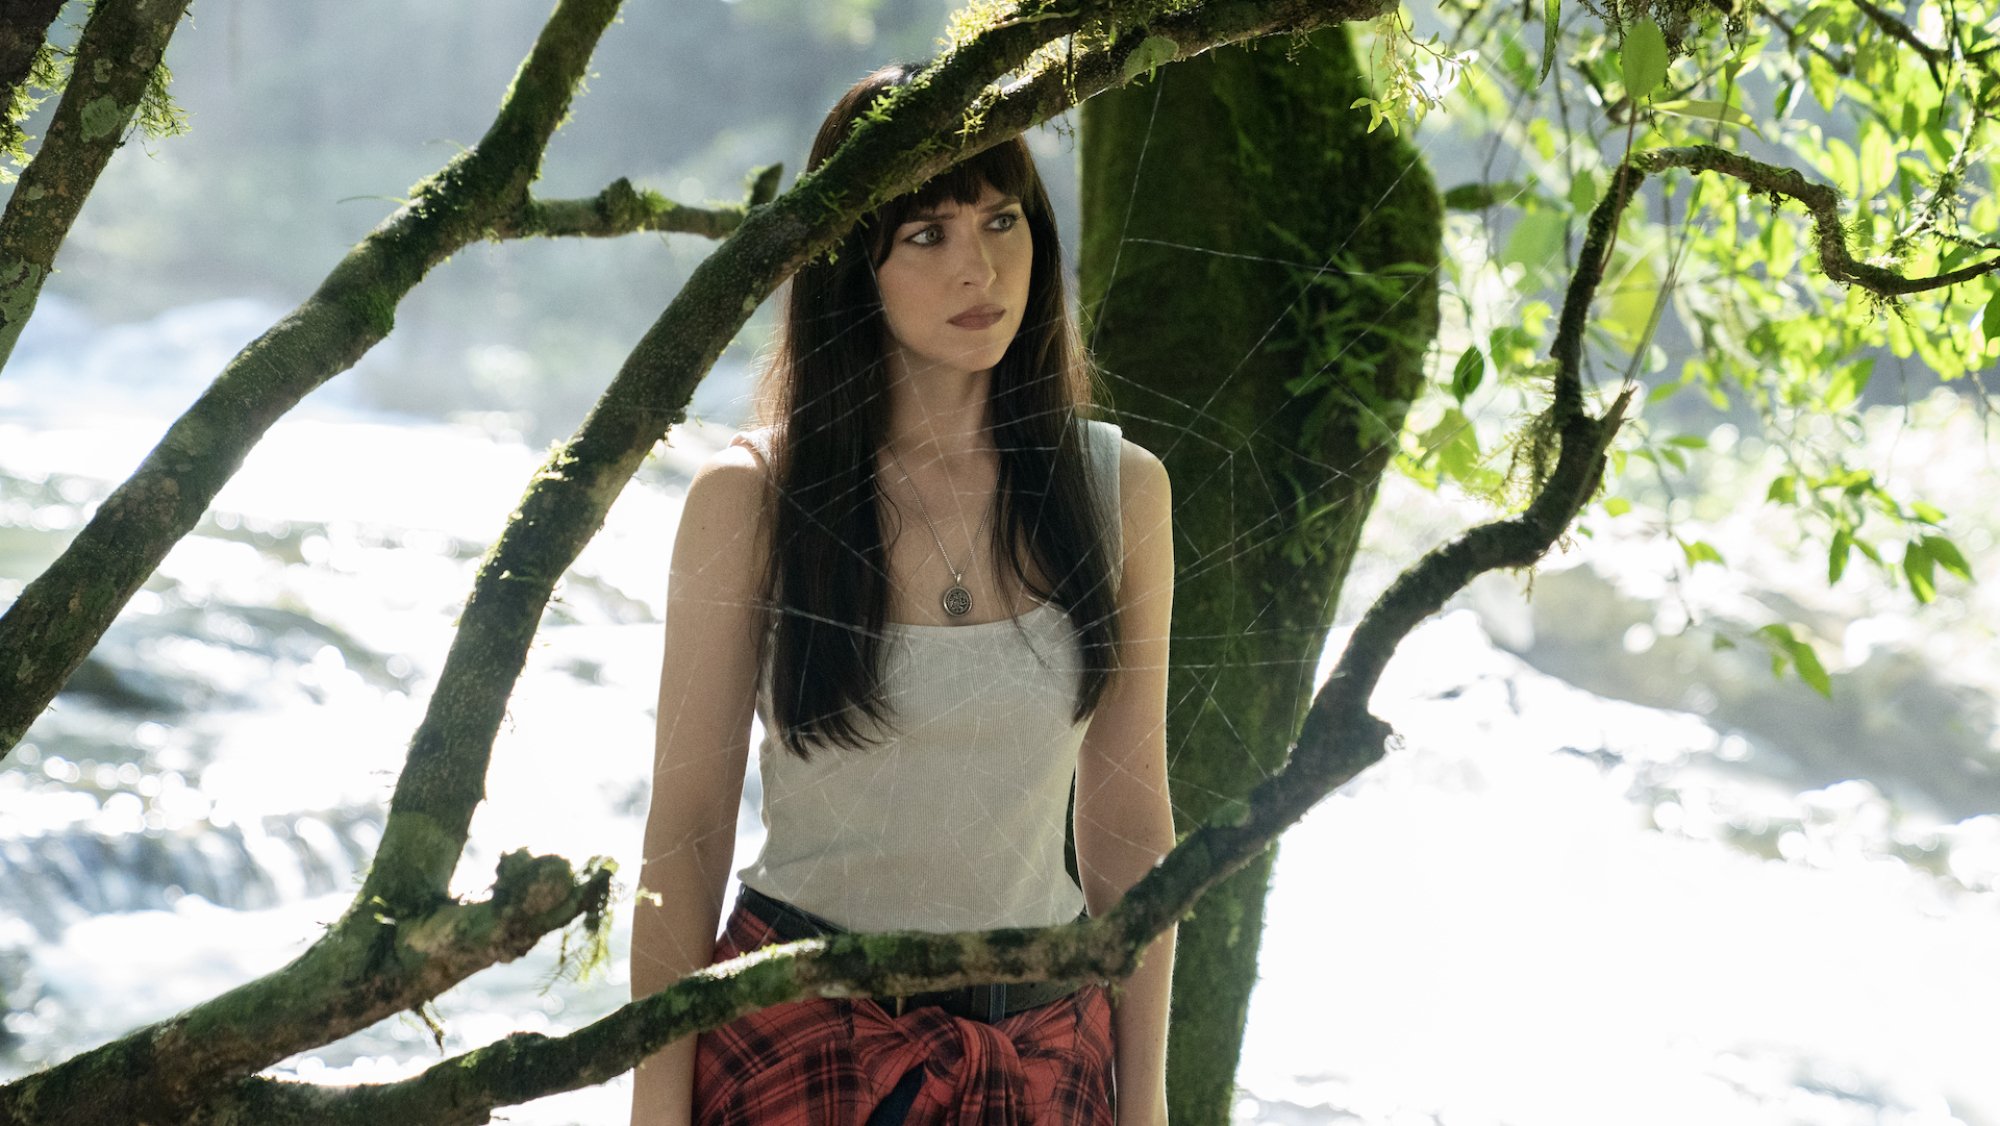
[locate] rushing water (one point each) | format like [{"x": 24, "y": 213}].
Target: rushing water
[{"x": 1611, "y": 874}]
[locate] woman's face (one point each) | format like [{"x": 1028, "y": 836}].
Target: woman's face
[{"x": 955, "y": 283}]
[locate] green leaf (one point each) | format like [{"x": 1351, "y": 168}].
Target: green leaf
[
  {"x": 1583, "y": 191},
  {"x": 1534, "y": 239},
  {"x": 1467, "y": 375},
  {"x": 1947, "y": 555},
  {"x": 1920, "y": 569},
  {"x": 1477, "y": 195},
  {"x": 1788, "y": 649},
  {"x": 1701, "y": 110},
  {"x": 1989, "y": 321},
  {"x": 1938, "y": 141},
  {"x": 1929, "y": 514},
  {"x": 1779, "y": 639},
  {"x": 1456, "y": 444},
  {"x": 1510, "y": 346},
  {"x": 1848, "y": 382},
  {"x": 1663, "y": 392},
  {"x": 1644, "y": 59},
  {"x": 1824, "y": 82},
  {"x": 1551, "y": 11},
  {"x": 1616, "y": 506},
  {"x": 1784, "y": 490},
  {"x": 1688, "y": 441},
  {"x": 1787, "y": 96},
  {"x": 1781, "y": 248},
  {"x": 1842, "y": 163},
  {"x": 1836, "y": 556},
  {"x": 1699, "y": 552},
  {"x": 1878, "y": 160},
  {"x": 1853, "y": 482},
  {"x": 1810, "y": 670}
]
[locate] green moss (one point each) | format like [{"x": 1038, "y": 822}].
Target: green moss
[
  {"x": 158, "y": 114},
  {"x": 102, "y": 117},
  {"x": 585, "y": 949},
  {"x": 20, "y": 287},
  {"x": 1152, "y": 53},
  {"x": 375, "y": 305},
  {"x": 423, "y": 851}
]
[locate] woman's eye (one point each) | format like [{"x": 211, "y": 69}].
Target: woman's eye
[{"x": 934, "y": 234}]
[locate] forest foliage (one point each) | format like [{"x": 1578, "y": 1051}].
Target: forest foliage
[{"x": 1718, "y": 298}]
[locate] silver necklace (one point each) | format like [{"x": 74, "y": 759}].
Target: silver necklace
[{"x": 957, "y": 600}]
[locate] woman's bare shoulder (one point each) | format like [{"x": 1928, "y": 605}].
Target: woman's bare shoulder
[
  {"x": 723, "y": 516},
  {"x": 1142, "y": 476},
  {"x": 738, "y": 472}
]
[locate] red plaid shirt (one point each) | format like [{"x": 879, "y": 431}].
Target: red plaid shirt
[{"x": 825, "y": 1062}]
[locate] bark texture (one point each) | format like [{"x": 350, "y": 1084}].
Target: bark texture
[
  {"x": 1259, "y": 276},
  {"x": 24, "y": 28},
  {"x": 46, "y": 633},
  {"x": 116, "y": 55}
]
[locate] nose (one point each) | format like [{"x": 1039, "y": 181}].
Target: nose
[{"x": 977, "y": 268}]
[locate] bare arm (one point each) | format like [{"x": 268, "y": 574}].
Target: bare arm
[
  {"x": 707, "y": 696},
  {"x": 1124, "y": 820}
]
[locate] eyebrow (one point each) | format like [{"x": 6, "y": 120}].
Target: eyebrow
[{"x": 1005, "y": 202}]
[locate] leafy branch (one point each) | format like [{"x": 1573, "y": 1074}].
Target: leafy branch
[{"x": 1822, "y": 202}]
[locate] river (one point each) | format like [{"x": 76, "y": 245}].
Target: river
[{"x": 1612, "y": 872}]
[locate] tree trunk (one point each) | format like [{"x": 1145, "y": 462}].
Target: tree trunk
[{"x": 1258, "y": 279}]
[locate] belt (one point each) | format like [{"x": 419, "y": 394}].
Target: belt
[{"x": 987, "y": 1003}]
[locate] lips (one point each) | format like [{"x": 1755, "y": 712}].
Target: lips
[{"x": 981, "y": 316}]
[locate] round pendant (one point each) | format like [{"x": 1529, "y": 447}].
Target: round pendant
[{"x": 957, "y": 601}]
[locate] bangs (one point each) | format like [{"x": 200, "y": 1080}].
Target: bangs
[{"x": 1007, "y": 167}]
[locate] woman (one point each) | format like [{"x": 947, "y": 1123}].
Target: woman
[{"x": 946, "y": 596}]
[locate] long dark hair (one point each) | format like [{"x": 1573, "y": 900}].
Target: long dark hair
[{"x": 827, "y": 393}]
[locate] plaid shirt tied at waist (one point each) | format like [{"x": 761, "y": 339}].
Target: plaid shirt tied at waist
[{"x": 829, "y": 1062}]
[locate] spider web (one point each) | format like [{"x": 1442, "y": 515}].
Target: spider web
[{"x": 576, "y": 740}]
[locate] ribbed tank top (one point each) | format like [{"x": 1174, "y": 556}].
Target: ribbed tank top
[{"x": 954, "y": 821}]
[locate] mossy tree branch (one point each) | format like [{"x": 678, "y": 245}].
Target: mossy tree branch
[
  {"x": 621, "y": 209},
  {"x": 367, "y": 966},
  {"x": 1821, "y": 201},
  {"x": 63, "y": 612},
  {"x": 116, "y": 55},
  {"x": 24, "y": 31},
  {"x": 1937, "y": 59}
]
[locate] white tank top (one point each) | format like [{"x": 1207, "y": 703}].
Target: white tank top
[{"x": 954, "y": 821}]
